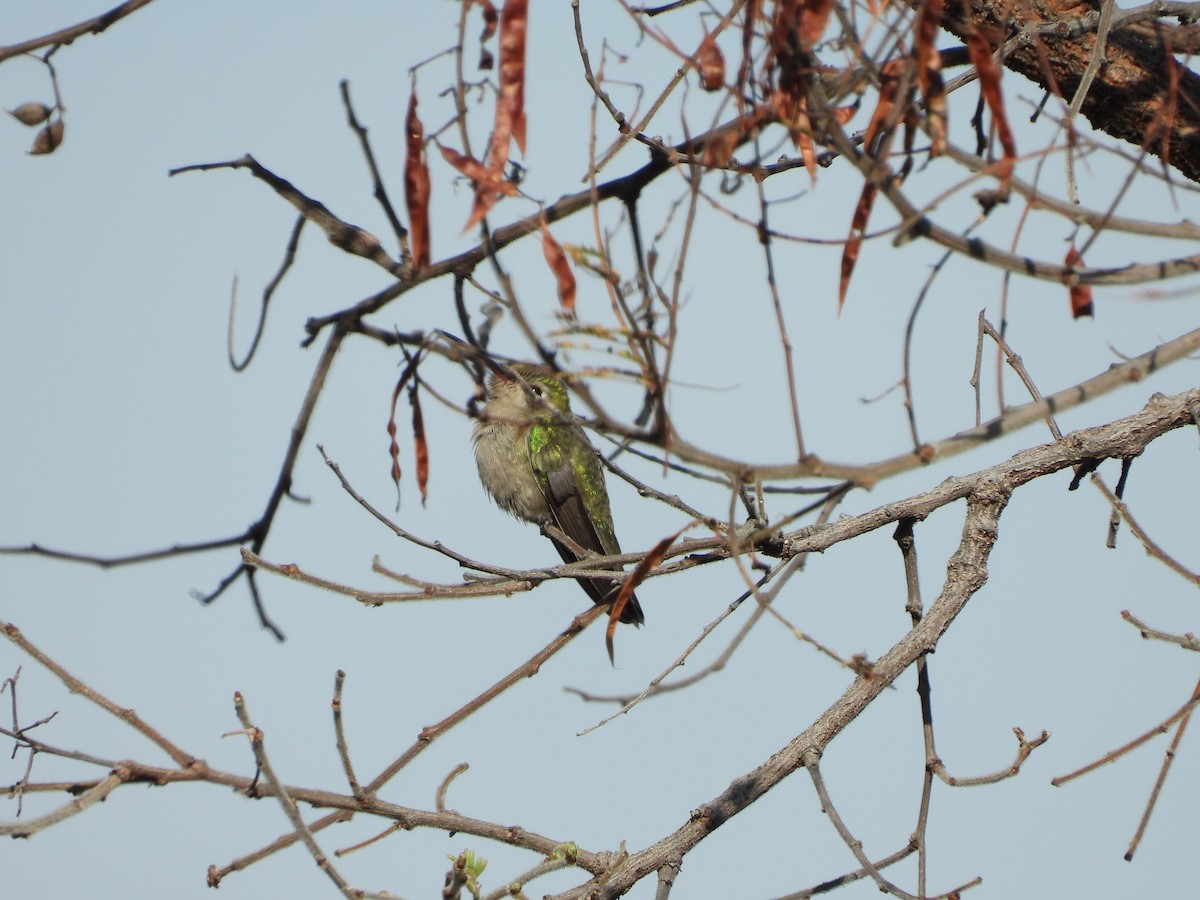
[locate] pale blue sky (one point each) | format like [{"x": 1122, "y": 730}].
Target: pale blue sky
[{"x": 124, "y": 430}]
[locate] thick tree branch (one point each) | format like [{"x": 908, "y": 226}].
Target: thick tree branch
[
  {"x": 986, "y": 492},
  {"x": 1140, "y": 94}
]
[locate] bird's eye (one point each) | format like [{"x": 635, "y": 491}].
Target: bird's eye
[{"x": 537, "y": 389}]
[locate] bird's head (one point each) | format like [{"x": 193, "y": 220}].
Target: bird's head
[{"x": 526, "y": 391}]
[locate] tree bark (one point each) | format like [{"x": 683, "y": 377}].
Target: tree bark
[{"x": 1140, "y": 93}]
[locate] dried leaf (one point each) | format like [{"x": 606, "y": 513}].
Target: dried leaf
[
  {"x": 557, "y": 260},
  {"x": 711, "y": 64},
  {"x": 783, "y": 23},
  {"x": 858, "y": 227},
  {"x": 510, "y": 103},
  {"x": 803, "y": 19},
  {"x": 989, "y": 84},
  {"x": 718, "y": 145},
  {"x": 1081, "y": 294},
  {"x": 416, "y": 186},
  {"x": 509, "y": 121},
  {"x": 749, "y": 21},
  {"x": 31, "y": 113},
  {"x": 808, "y": 152},
  {"x": 796, "y": 26},
  {"x": 421, "y": 447},
  {"x": 890, "y": 74},
  {"x": 649, "y": 561},
  {"x": 489, "y": 185},
  {"x": 393, "y": 447},
  {"x": 718, "y": 149},
  {"x": 490, "y": 19},
  {"x": 929, "y": 73},
  {"x": 466, "y": 165},
  {"x": 814, "y": 17},
  {"x": 485, "y": 199},
  {"x": 793, "y": 114},
  {"x": 1165, "y": 121},
  {"x": 48, "y": 139},
  {"x": 924, "y": 49}
]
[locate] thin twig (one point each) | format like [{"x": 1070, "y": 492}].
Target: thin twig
[
  {"x": 340, "y": 735},
  {"x": 1122, "y": 510},
  {"x": 1168, "y": 759},
  {"x": 1186, "y": 641},
  {"x": 289, "y": 257},
  {"x": 379, "y": 191},
  {"x": 94, "y": 25},
  {"x": 1113, "y": 755},
  {"x": 254, "y": 733},
  {"x": 341, "y": 234},
  {"x": 181, "y": 757}
]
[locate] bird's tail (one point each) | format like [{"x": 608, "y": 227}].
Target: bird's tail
[{"x": 602, "y": 591}]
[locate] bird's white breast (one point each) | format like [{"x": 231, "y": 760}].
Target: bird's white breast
[{"x": 502, "y": 456}]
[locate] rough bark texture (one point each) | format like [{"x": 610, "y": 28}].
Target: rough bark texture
[{"x": 1132, "y": 97}]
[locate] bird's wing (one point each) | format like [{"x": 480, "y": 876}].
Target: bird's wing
[{"x": 563, "y": 484}]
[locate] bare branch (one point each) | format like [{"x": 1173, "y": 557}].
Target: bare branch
[{"x": 94, "y": 25}]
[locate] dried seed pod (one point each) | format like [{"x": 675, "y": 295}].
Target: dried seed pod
[
  {"x": 48, "y": 139},
  {"x": 31, "y": 113}
]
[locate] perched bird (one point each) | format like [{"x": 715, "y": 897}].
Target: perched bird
[{"x": 537, "y": 464}]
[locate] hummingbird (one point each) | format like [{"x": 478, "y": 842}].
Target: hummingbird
[{"x": 536, "y": 463}]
